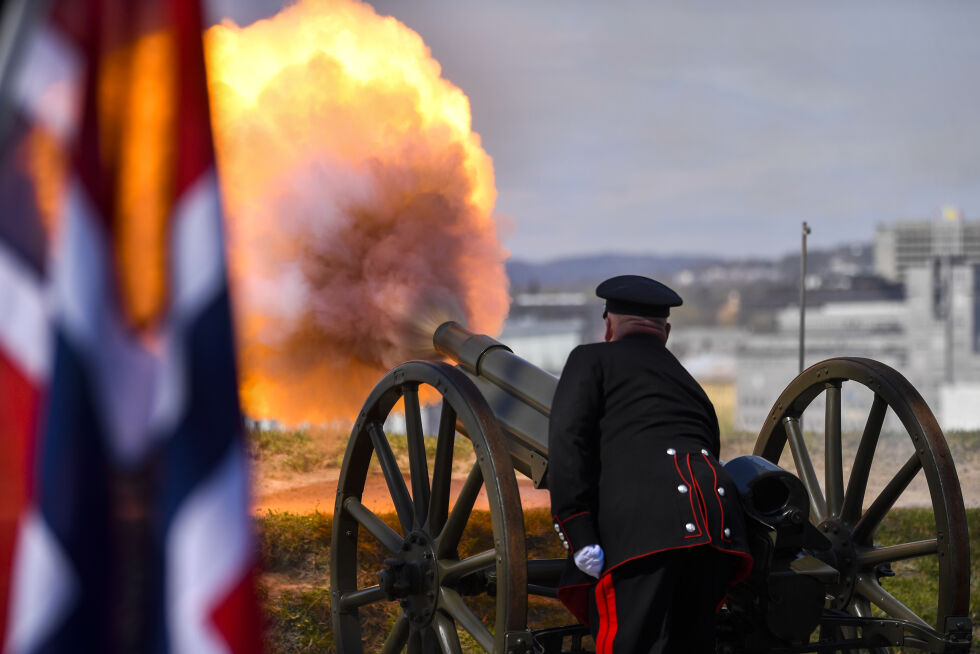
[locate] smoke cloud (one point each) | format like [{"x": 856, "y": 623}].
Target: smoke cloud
[{"x": 359, "y": 204}]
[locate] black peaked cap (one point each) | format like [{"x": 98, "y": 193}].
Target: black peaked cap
[{"x": 634, "y": 295}]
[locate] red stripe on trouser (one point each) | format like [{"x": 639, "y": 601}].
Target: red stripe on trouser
[{"x": 605, "y": 596}]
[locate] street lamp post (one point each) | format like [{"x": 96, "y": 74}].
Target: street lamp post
[{"x": 806, "y": 230}]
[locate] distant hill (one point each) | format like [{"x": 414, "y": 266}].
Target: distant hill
[
  {"x": 573, "y": 273},
  {"x": 583, "y": 272}
]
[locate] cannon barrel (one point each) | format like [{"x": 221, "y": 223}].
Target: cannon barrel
[{"x": 518, "y": 392}]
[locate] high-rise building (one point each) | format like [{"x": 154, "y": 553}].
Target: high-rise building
[{"x": 907, "y": 243}]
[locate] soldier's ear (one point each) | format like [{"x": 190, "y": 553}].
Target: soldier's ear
[
  {"x": 609, "y": 329},
  {"x": 666, "y": 332}
]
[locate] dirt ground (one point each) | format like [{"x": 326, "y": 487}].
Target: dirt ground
[
  {"x": 277, "y": 490},
  {"x": 316, "y": 491}
]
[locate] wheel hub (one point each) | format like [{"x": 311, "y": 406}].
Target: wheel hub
[
  {"x": 843, "y": 557},
  {"x": 411, "y": 577}
]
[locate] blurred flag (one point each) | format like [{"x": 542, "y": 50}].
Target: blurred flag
[{"x": 133, "y": 531}]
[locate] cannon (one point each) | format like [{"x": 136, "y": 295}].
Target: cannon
[{"x": 821, "y": 580}]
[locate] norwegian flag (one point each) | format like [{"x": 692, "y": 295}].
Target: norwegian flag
[{"x": 132, "y": 523}]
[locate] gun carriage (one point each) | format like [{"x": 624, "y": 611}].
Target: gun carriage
[{"x": 817, "y": 580}]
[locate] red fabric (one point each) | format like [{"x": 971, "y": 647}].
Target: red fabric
[
  {"x": 576, "y": 600},
  {"x": 18, "y": 422},
  {"x": 721, "y": 508},
  {"x": 195, "y": 153},
  {"x": 701, "y": 505},
  {"x": 605, "y": 595},
  {"x": 237, "y": 617},
  {"x": 89, "y": 165},
  {"x": 691, "y": 487},
  {"x": 743, "y": 568},
  {"x": 575, "y": 515}
]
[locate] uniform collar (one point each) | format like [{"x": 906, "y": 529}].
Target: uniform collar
[{"x": 641, "y": 336}]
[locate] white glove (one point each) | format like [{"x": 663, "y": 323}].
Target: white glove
[{"x": 590, "y": 560}]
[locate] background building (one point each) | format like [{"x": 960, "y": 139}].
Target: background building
[
  {"x": 903, "y": 244},
  {"x": 739, "y": 326},
  {"x": 932, "y": 337}
]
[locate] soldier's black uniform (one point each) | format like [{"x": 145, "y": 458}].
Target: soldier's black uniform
[{"x": 633, "y": 466}]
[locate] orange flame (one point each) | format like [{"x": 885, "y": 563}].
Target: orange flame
[
  {"x": 137, "y": 124},
  {"x": 136, "y": 91},
  {"x": 359, "y": 203},
  {"x": 359, "y": 200}
]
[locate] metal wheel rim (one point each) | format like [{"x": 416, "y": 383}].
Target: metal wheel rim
[
  {"x": 493, "y": 471},
  {"x": 932, "y": 455}
]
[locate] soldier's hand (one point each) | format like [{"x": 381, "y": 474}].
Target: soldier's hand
[{"x": 590, "y": 560}]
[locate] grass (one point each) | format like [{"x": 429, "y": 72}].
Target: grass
[
  {"x": 295, "y": 584},
  {"x": 917, "y": 580},
  {"x": 299, "y": 621},
  {"x": 287, "y": 451}
]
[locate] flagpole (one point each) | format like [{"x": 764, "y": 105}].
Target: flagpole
[{"x": 18, "y": 17}]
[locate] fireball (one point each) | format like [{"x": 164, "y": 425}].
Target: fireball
[{"x": 359, "y": 204}]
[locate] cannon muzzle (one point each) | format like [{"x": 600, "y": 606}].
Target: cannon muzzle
[{"x": 518, "y": 392}]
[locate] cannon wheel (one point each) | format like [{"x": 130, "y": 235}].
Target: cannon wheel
[
  {"x": 841, "y": 512},
  {"x": 424, "y": 572}
]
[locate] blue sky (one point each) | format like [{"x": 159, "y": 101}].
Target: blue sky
[{"x": 713, "y": 127}]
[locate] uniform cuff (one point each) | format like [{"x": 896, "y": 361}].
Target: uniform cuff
[{"x": 576, "y": 531}]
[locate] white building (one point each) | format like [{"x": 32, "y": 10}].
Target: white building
[
  {"x": 932, "y": 337},
  {"x": 767, "y": 362},
  {"x": 905, "y": 244},
  {"x": 545, "y": 343}
]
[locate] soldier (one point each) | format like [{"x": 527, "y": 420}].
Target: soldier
[{"x": 651, "y": 519}]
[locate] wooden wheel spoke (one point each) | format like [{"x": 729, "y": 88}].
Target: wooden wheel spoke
[
  {"x": 398, "y": 637},
  {"x": 453, "y": 570},
  {"x": 435, "y": 505},
  {"x": 430, "y": 641},
  {"x": 447, "y": 541},
  {"x": 866, "y": 526},
  {"x": 375, "y": 525},
  {"x": 874, "y": 593},
  {"x": 453, "y": 604},
  {"x": 415, "y": 643},
  {"x": 393, "y": 476},
  {"x": 358, "y": 598},
  {"x": 898, "y": 552},
  {"x": 833, "y": 459},
  {"x": 442, "y": 469},
  {"x": 857, "y": 484},
  {"x": 804, "y": 466},
  {"x": 416, "y": 452},
  {"x": 446, "y": 634},
  {"x": 858, "y": 506}
]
